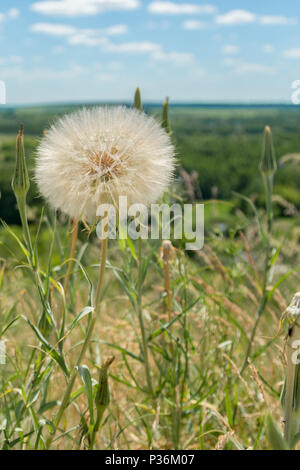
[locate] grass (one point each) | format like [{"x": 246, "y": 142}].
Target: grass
[
  {"x": 199, "y": 395},
  {"x": 177, "y": 325}
]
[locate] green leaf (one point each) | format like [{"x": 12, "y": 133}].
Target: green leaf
[
  {"x": 21, "y": 245},
  {"x": 81, "y": 315},
  {"x": 48, "y": 406},
  {"x": 50, "y": 350},
  {"x": 87, "y": 381},
  {"x": 278, "y": 283},
  {"x": 165, "y": 327},
  {"x": 6, "y": 327},
  {"x": 296, "y": 440},
  {"x": 251, "y": 204},
  {"x": 274, "y": 434},
  {"x": 130, "y": 292},
  {"x": 122, "y": 350}
]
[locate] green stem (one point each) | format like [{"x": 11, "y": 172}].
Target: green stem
[
  {"x": 261, "y": 309},
  {"x": 268, "y": 183},
  {"x": 91, "y": 325},
  {"x": 259, "y": 313},
  {"x": 141, "y": 320},
  {"x": 96, "y": 429},
  {"x": 75, "y": 226},
  {"x": 291, "y": 396},
  {"x": 21, "y": 201},
  {"x": 291, "y": 418}
]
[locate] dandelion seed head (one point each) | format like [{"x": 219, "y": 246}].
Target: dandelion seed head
[{"x": 94, "y": 156}]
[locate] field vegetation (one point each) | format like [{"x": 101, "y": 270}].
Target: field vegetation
[{"x": 170, "y": 362}]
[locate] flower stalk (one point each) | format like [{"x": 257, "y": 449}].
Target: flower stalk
[
  {"x": 20, "y": 185},
  {"x": 75, "y": 226},
  {"x": 144, "y": 345},
  {"x": 90, "y": 328},
  {"x": 268, "y": 167},
  {"x": 102, "y": 398},
  {"x": 166, "y": 253},
  {"x": 291, "y": 392}
]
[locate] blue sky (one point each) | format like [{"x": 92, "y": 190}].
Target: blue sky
[{"x": 87, "y": 50}]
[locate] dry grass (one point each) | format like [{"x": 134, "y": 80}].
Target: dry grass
[{"x": 213, "y": 405}]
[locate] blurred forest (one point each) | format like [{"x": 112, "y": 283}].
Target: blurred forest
[{"x": 218, "y": 146}]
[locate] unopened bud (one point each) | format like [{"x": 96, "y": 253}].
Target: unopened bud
[
  {"x": 268, "y": 165},
  {"x": 138, "y": 100},
  {"x": 45, "y": 324},
  {"x": 102, "y": 397},
  {"x": 165, "y": 117},
  {"x": 20, "y": 182}
]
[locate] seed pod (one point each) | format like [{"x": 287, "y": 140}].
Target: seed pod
[{"x": 167, "y": 249}]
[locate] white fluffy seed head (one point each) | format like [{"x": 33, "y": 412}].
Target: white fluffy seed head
[{"x": 94, "y": 156}]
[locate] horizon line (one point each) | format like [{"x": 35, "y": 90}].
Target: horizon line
[{"x": 155, "y": 103}]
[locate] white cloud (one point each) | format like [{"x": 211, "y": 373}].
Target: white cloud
[
  {"x": 196, "y": 73},
  {"x": 86, "y": 37},
  {"x": 57, "y": 50},
  {"x": 193, "y": 25},
  {"x": 100, "y": 38},
  {"x": 236, "y": 17},
  {"x": 13, "y": 13},
  {"x": 10, "y": 14},
  {"x": 133, "y": 47},
  {"x": 268, "y": 48},
  {"x": 230, "y": 49},
  {"x": 245, "y": 68},
  {"x": 82, "y": 7},
  {"x": 11, "y": 60},
  {"x": 105, "y": 77},
  {"x": 116, "y": 30},
  {"x": 292, "y": 53},
  {"x": 162, "y": 24},
  {"x": 277, "y": 20},
  {"x": 176, "y": 58},
  {"x": 40, "y": 73},
  {"x": 94, "y": 38},
  {"x": 53, "y": 29},
  {"x": 171, "y": 8},
  {"x": 229, "y": 62}
]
